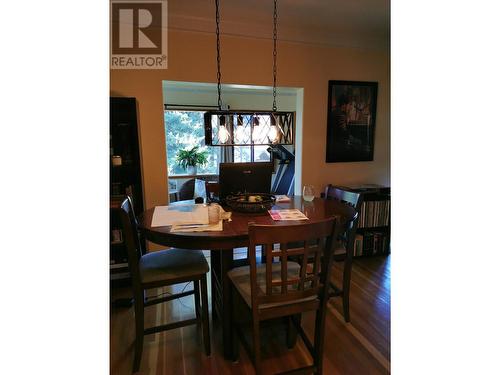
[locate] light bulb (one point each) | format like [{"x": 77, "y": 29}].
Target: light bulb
[
  {"x": 223, "y": 134},
  {"x": 256, "y": 136},
  {"x": 273, "y": 133},
  {"x": 239, "y": 135},
  {"x": 274, "y": 130}
]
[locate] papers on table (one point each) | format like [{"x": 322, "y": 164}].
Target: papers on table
[
  {"x": 197, "y": 228},
  {"x": 189, "y": 218},
  {"x": 180, "y": 214},
  {"x": 290, "y": 214}
]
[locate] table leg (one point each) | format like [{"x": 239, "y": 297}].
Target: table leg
[
  {"x": 227, "y": 328},
  {"x": 214, "y": 282},
  {"x": 222, "y": 262}
]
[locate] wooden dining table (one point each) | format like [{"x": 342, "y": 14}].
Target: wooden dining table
[{"x": 235, "y": 235}]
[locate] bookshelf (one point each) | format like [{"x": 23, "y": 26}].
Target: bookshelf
[
  {"x": 125, "y": 177},
  {"x": 373, "y": 233}
]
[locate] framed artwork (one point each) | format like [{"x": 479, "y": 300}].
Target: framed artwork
[{"x": 351, "y": 117}]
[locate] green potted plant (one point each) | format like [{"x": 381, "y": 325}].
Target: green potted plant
[{"x": 190, "y": 159}]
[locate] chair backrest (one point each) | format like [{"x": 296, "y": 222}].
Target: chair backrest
[
  {"x": 131, "y": 236},
  {"x": 212, "y": 187},
  {"x": 316, "y": 240},
  {"x": 187, "y": 190},
  {"x": 352, "y": 199}
]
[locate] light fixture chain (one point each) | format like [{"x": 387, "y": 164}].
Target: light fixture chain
[
  {"x": 275, "y": 37},
  {"x": 217, "y": 23}
]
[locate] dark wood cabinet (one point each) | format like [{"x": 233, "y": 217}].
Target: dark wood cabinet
[{"x": 125, "y": 177}]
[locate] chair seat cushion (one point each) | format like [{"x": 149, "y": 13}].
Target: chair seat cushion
[
  {"x": 240, "y": 277},
  {"x": 170, "y": 264}
]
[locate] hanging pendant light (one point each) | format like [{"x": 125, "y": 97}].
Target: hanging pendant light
[
  {"x": 223, "y": 134},
  {"x": 265, "y": 127},
  {"x": 275, "y": 129}
]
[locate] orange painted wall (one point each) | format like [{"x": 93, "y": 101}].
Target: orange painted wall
[{"x": 192, "y": 58}]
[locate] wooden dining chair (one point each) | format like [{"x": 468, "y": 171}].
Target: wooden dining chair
[
  {"x": 186, "y": 190},
  {"x": 344, "y": 246},
  {"x": 158, "y": 269},
  {"x": 286, "y": 288}
]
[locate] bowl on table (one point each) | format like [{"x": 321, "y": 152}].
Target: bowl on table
[{"x": 250, "y": 202}]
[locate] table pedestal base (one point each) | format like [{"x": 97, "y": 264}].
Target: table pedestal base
[{"x": 221, "y": 262}]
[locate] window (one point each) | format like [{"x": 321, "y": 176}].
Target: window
[
  {"x": 184, "y": 130},
  {"x": 245, "y": 154}
]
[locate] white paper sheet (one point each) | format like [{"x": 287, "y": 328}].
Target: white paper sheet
[
  {"x": 290, "y": 214},
  {"x": 179, "y": 214},
  {"x": 198, "y": 228}
]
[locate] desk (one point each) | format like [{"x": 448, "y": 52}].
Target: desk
[{"x": 233, "y": 235}]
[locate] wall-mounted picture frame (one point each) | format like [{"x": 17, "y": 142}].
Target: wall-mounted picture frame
[{"x": 352, "y": 107}]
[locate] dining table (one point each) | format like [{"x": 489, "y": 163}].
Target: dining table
[{"x": 235, "y": 235}]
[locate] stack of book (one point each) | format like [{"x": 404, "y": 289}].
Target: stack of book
[
  {"x": 374, "y": 214},
  {"x": 371, "y": 243},
  {"x": 373, "y": 227}
]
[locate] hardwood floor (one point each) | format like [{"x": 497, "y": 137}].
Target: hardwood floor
[{"x": 359, "y": 347}]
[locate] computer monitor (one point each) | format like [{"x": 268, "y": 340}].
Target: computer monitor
[{"x": 235, "y": 178}]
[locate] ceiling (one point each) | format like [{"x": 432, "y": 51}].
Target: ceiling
[{"x": 343, "y": 23}]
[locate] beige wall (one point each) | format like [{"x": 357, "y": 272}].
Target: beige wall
[{"x": 192, "y": 58}]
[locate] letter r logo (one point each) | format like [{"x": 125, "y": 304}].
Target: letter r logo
[{"x": 137, "y": 28}]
